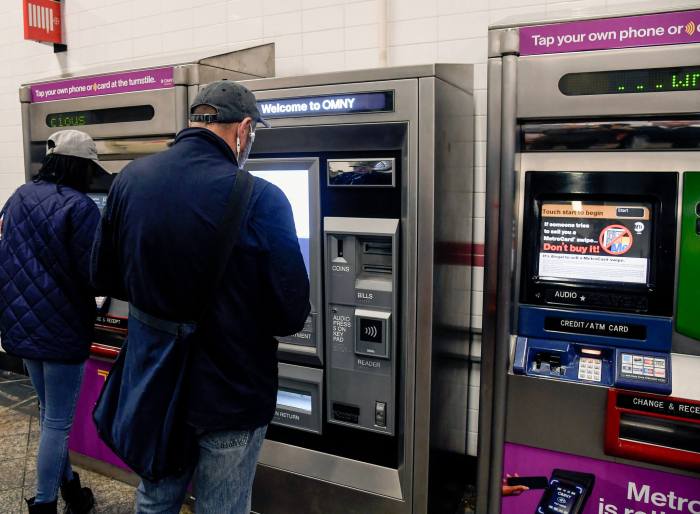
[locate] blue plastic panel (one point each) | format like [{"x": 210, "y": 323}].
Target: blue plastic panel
[
  {"x": 598, "y": 328},
  {"x": 593, "y": 364}
]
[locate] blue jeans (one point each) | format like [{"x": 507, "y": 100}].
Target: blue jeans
[
  {"x": 57, "y": 386},
  {"x": 223, "y": 477}
]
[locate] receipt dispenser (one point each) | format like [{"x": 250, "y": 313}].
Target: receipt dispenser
[{"x": 361, "y": 291}]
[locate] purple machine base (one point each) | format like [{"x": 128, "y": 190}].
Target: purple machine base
[{"x": 83, "y": 438}]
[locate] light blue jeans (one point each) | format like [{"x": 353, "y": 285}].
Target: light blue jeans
[
  {"x": 57, "y": 386},
  {"x": 223, "y": 477}
]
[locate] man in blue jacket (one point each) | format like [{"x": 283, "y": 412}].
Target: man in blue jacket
[{"x": 154, "y": 248}]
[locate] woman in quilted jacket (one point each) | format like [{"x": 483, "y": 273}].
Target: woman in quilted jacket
[{"x": 47, "y": 307}]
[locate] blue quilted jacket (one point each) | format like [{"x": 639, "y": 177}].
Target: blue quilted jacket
[{"x": 47, "y": 306}]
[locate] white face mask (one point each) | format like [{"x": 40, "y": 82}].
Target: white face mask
[{"x": 242, "y": 157}]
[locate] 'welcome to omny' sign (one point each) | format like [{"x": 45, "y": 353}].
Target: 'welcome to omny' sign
[{"x": 324, "y": 105}]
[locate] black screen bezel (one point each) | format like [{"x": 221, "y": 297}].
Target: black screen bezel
[{"x": 660, "y": 189}]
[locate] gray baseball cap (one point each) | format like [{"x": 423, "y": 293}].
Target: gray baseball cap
[
  {"x": 74, "y": 143},
  {"x": 233, "y": 102}
]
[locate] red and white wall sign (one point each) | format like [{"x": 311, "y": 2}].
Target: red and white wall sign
[{"x": 43, "y": 21}]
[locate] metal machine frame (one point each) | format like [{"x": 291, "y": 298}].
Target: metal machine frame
[
  {"x": 523, "y": 89},
  {"x": 435, "y": 102}
]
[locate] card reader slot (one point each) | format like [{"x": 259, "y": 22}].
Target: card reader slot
[
  {"x": 679, "y": 435},
  {"x": 377, "y": 247},
  {"x": 346, "y": 413},
  {"x": 377, "y": 268}
]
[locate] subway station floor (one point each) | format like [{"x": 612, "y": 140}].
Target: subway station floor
[{"x": 19, "y": 439}]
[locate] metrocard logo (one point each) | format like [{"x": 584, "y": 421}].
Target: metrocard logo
[{"x": 43, "y": 21}]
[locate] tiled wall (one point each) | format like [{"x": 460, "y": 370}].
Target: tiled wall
[{"x": 310, "y": 36}]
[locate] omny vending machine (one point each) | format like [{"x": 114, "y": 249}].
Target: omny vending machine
[
  {"x": 377, "y": 166},
  {"x": 591, "y": 338},
  {"x": 129, "y": 114}
]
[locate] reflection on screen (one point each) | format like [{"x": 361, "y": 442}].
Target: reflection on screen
[
  {"x": 292, "y": 400},
  {"x": 295, "y": 185},
  {"x": 100, "y": 200}
]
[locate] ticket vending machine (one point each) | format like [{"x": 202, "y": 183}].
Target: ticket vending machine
[
  {"x": 129, "y": 114},
  {"x": 377, "y": 165},
  {"x": 591, "y": 345},
  {"x": 378, "y": 168}
]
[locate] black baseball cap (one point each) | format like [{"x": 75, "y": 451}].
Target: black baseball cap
[{"x": 233, "y": 102}]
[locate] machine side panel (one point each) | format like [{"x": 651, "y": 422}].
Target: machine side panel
[{"x": 452, "y": 291}]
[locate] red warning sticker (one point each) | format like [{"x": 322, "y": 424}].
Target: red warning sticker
[{"x": 616, "y": 239}]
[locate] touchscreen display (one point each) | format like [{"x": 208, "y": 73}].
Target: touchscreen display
[
  {"x": 295, "y": 185},
  {"x": 595, "y": 241}
]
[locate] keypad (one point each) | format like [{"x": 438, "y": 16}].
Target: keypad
[{"x": 590, "y": 369}]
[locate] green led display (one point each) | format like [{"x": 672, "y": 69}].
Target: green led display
[
  {"x": 100, "y": 116},
  {"x": 648, "y": 80}
]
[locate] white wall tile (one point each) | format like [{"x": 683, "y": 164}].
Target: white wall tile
[
  {"x": 412, "y": 54},
  {"x": 288, "y": 46},
  {"x": 362, "y": 59},
  {"x": 244, "y": 9},
  {"x": 280, "y": 6},
  {"x": 463, "y": 26},
  {"x": 361, "y": 37},
  {"x": 323, "y": 18},
  {"x": 410, "y": 32},
  {"x": 289, "y": 23},
  {"x": 244, "y": 30},
  {"x": 334, "y": 61},
  {"x": 210, "y": 15},
  {"x": 411, "y": 9},
  {"x": 361, "y": 13},
  {"x": 323, "y": 41},
  {"x": 462, "y": 50}
]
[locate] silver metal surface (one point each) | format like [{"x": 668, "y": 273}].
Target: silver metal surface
[
  {"x": 163, "y": 122},
  {"x": 247, "y": 62},
  {"x": 424, "y": 283},
  {"x": 565, "y": 417},
  {"x": 458, "y": 75},
  {"x": 488, "y": 341},
  {"x": 539, "y": 95},
  {"x": 331, "y": 468},
  {"x": 505, "y": 273},
  {"x": 281, "y": 492}
]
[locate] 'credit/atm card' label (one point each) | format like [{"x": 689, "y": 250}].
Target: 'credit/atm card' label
[{"x": 593, "y": 327}]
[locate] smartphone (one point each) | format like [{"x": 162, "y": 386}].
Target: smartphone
[
  {"x": 529, "y": 482},
  {"x": 567, "y": 492}
]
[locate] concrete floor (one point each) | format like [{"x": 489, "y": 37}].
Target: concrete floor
[{"x": 19, "y": 440}]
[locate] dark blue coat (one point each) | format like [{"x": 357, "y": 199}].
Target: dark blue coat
[
  {"x": 47, "y": 307},
  {"x": 156, "y": 248}
]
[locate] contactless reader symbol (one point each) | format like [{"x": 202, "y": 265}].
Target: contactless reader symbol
[
  {"x": 371, "y": 330},
  {"x": 616, "y": 239},
  {"x": 639, "y": 227}
]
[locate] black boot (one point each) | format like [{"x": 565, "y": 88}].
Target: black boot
[
  {"x": 79, "y": 500},
  {"x": 41, "y": 508}
]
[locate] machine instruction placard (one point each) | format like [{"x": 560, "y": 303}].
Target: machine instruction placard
[
  {"x": 607, "y": 242},
  {"x": 98, "y": 85}
]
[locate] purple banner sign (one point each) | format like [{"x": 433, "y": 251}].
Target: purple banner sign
[
  {"x": 124, "y": 82},
  {"x": 604, "y": 34},
  {"x": 617, "y": 488},
  {"x": 83, "y": 436}
]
